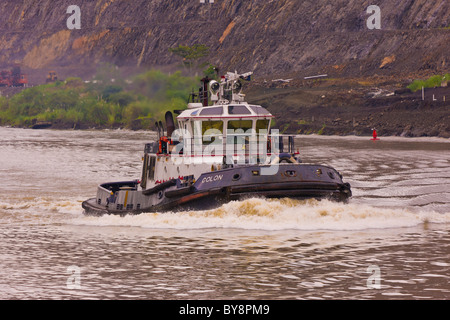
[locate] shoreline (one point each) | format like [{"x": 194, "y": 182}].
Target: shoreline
[
  {"x": 342, "y": 107},
  {"x": 329, "y": 107},
  {"x": 296, "y": 135}
]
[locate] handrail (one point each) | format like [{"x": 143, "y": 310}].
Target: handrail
[{"x": 236, "y": 145}]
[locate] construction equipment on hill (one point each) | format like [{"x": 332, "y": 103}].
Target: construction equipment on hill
[
  {"x": 51, "y": 77},
  {"x": 13, "y": 78}
]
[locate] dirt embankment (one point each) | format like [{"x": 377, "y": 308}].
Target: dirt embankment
[
  {"x": 341, "y": 107},
  {"x": 344, "y": 107},
  {"x": 266, "y": 37}
]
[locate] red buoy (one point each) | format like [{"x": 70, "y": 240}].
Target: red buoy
[{"x": 374, "y": 135}]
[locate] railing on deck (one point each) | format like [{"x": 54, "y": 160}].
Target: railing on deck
[{"x": 232, "y": 145}]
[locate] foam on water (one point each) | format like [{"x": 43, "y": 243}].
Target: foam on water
[
  {"x": 255, "y": 213},
  {"x": 284, "y": 214},
  {"x": 43, "y": 210}
]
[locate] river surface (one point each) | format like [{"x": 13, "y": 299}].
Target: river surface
[{"x": 391, "y": 241}]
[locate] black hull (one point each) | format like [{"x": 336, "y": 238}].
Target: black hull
[
  {"x": 209, "y": 194},
  {"x": 214, "y": 199}
]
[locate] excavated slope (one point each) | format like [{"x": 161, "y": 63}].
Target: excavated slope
[{"x": 265, "y": 36}]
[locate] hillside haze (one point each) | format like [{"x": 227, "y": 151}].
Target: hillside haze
[{"x": 268, "y": 37}]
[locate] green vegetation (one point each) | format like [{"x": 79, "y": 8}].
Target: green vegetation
[
  {"x": 100, "y": 103},
  {"x": 191, "y": 55},
  {"x": 431, "y": 82},
  {"x": 320, "y": 132},
  {"x": 284, "y": 128},
  {"x": 210, "y": 72}
]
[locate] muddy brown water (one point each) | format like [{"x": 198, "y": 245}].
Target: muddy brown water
[{"x": 391, "y": 241}]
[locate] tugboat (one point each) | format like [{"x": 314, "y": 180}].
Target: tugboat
[{"x": 223, "y": 149}]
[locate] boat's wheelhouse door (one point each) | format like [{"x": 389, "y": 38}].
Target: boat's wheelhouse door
[{"x": 148, "y": 169}]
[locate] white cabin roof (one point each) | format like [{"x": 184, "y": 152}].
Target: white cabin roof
[{"x": 226, "y": 111}]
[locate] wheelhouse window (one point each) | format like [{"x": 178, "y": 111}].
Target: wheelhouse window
[
  {"x": 212, "y": 124},
  {"x": 234, "y": 110},
  {"x": 262, "y": 124},
  {"x": 212, "y": 131},
  {"x": 262, "y": 129},
  {"x": 240, "y": 124},
  {"x": 216, "y": 111},
  {"x": 260, "y": 110},
  {"x": 239, "y": 133}
]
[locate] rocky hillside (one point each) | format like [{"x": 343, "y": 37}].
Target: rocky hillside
[{"x": 269, "y": 37}]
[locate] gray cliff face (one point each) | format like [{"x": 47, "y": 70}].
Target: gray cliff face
[{"x": 264, "y": 36}]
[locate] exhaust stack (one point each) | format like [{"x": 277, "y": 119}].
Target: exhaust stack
[{"x": 169, "y": 124}]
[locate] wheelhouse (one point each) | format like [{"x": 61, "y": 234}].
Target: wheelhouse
[{"x": 220, "y": 124}]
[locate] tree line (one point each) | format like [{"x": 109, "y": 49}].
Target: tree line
[{"x": 104, "y": 102}]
